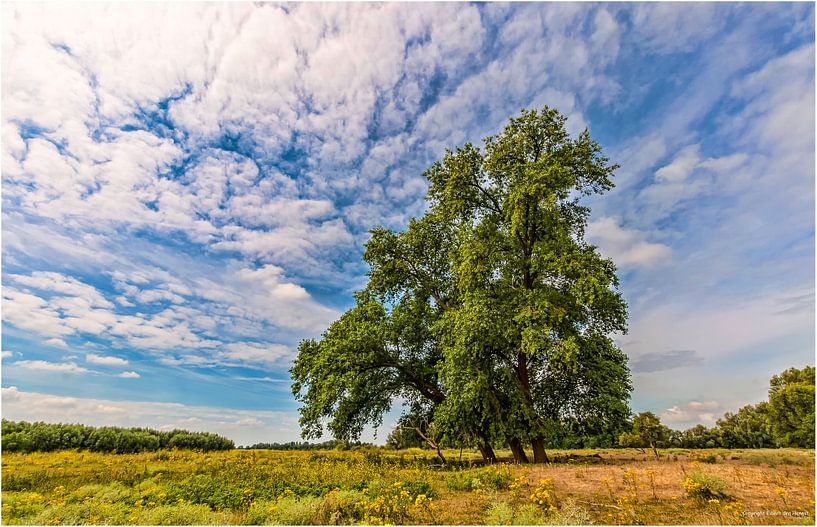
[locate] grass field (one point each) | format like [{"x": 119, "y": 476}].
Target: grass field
[{"x": 376, "y": 486}]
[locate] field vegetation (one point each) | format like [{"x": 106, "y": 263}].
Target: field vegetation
[{"x": 372, "y": 485}]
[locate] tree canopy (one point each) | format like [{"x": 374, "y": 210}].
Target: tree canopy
[{"x": 490, "y": 315}]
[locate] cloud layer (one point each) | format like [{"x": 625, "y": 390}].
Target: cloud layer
[{"x": 182, "y": 204}]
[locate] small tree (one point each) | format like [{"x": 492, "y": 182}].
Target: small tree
[{"x": 648, "y": 432}]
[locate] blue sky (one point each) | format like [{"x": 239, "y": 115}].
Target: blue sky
[{"x": 187, "y": 188}]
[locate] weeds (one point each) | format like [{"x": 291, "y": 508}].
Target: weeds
[
  {"x": 703, "y": 487},
  {"x": 377, "y": 486}
]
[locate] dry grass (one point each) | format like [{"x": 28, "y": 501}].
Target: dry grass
[{"x": 622, "y": 487}]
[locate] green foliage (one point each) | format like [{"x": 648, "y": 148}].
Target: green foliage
[
  {"x": 504, "y": 513},
  {"x": 648, "y": 432},
  {"x": 750, "y": 427},
  {"x": 698, "y": 436},
  {"x": 45, "y": 437},
  {"x": 491, "y": 478},
  {"x": 405, "y": 437},
  {"x": 296, "y": 510},
  {"x": 791, "y": 407},
  {"x": 705, "y": 487}
]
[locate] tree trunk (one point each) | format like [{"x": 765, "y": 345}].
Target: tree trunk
[
  {"x": 440, "y": 453},
  {"x": 487, "y": 452},
  {"x": 539, "y": 454},
  {"x": 433, "y": 444},
  {"x": 518, "y": 450}
]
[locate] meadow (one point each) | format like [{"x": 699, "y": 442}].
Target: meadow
[{"x": 380, "y": 486}]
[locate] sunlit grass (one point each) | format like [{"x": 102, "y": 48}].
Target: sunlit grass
[{"x": 378, "y": 486}]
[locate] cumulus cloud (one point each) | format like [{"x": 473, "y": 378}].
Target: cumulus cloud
[
  {"x": 199, "y": 195},
  {"x": 691, "y": 413},
  {"x": 41, "y": 365},
  {"x": 129, "y": 375},
  {"x": 104, "y": 360},
  {"x": 627, "y": 247},
  {"x": 257, "y": 353}
]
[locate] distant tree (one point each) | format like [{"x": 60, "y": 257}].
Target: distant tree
[
  {"x": 749, "y": 427},
  {"x": 791, "y": 407},
  {"x": 699, "y": 436},
  {"x": 402, "y": 437},
  {"x": 648, "y": 432},
  {"x": 17, "y": 442}
]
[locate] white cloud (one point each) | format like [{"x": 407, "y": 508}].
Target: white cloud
[
  {"x": 681, "y": 167},
  {"x": 674, "y": 27},
  {"x": 257, "y": 353},
  {"x": 349, "y": 92},
  {"x": 57, "y": 342},
  {"x": 104, "y": 360},
  {"x": 129, "y": 375},
  {"x": 627, "y": 247},
  {"x": 6, "y": 354},
  {"x": 691, "y": 413},
  {"x": 41, "y": 365}
]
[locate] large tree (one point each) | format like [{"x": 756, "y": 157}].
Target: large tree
[
  {"x": 491, "y": 314},
  {"x": 533, "y": 292}
]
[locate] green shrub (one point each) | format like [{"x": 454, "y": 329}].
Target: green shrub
[
  {"x": 459, "y": 481},
  {"x": 420, "y": 486},
  {"x": 503, "y": 513},
  {"x": 495, "y": 478},
  {"x": 22, "y": 505},
  {"x": 704, "y": 487},
  {"x": 296, "y": 511},
  {"x": 339, "y": 507},
  {"x": 180, "y": 514}
]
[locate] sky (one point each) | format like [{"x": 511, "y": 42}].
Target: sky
[{"x": 187, "y": 188}]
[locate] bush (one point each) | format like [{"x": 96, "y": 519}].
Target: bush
[
  {"x": 544, "y": 495},
  {"x": 186, "y": 514},
  {"x": 494, "y": 478},
  {"x": 503, "y": 513},
  {"x": 296, "y": 511},
  {"x": 704, "y": 487}
]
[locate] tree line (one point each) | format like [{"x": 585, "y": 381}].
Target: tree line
[
  {"x": 22, "y": 436},
  {"x": 785, "y": 420},
  {"x": 331, "y": 444},
  {"x": 490, "y": 315}
]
